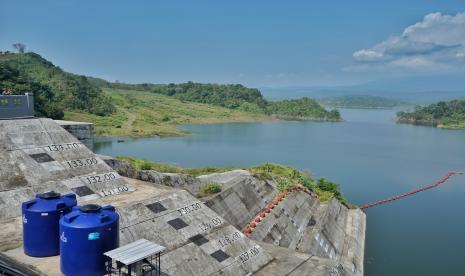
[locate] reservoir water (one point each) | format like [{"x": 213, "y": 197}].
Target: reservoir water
[{"x": 370, "y": 156}]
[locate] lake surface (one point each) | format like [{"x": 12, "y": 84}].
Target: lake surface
[{"x": 370, "y": 156}]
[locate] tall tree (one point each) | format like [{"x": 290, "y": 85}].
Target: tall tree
[{"x": 20, "y": 47}]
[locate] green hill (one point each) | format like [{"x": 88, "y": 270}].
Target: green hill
[
  {"x": 303, "y": 108},
  {"x": 360, "y": 101},
  {"x": 441, "y": 114},
  {"x": 141, "y": 113},
  {"x": 142, "y": 109},
  {"x": 54, "y": 89},
  {"x": 232, "y": 96}
]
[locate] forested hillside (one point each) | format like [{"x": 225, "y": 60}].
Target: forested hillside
[
  {"x": 303, "y": 108},
  {"x": 442, "y": 114},
  {"x": 135, "y": 109},
  {"x": 232, "y": 96},
  {"x": 54, "y": 89}
]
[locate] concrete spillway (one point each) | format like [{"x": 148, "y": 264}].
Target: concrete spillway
[
  {"x": 202, "y": 237},
  {"x": 299, "y": 222}
]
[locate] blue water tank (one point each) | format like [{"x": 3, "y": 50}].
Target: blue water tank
[
  {"x": 41, "y": 217},
  {"x": 85, "y": 234}
]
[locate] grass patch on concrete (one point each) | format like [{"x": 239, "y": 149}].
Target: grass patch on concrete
[
  {"x": 149, "y": 114},
  {"x": 209, "y": 189},
  {"x": 285, "y": 176},
  {"x": 166, "y": 168}
]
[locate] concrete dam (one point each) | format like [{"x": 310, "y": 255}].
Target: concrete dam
[{"x": 202, "y": 236}]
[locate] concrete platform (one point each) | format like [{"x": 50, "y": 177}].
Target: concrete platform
[
  {"x": 190, "y": 249},
  {"x": 292, "y": 263}
]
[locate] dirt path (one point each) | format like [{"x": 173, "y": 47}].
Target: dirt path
[{"x": 130, "y": 121}]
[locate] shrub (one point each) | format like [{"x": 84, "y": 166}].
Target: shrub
[
  {"x": 209, "y": 188},
  {"x": 283, "y": 184},
  {"x": 331, "y": 187},
  {"x": 145, "y": 165}
]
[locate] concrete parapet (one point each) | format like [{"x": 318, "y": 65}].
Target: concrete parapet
[{"x": 84, "y": 132}]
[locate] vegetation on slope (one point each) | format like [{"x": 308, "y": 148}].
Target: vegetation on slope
[
  {"x": 360, "y": 101},
  {"x": 285, "y": 176},
  {"x": 303, "y": 108},
  {"x": 45, "y": 102},
  {"x": 442, "y": 114},
  {"x": 141, "y": 109},
  {"x": 226, "y": 95},
  {"x": 141, "y": 113},
  {"x": 209, "y": 189},
  {"x": 54, "y": 89},
  {"x": 232, "y": 96}
]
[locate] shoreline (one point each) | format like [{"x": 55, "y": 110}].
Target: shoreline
[
  {"x": 181, "y": 133},
  {"x": 430, "y": 124},
  {"x": 303, "y": 118}
]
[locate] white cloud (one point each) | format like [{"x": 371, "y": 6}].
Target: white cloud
[
  {"x": 368, "y": 55},
  {"x": 436, "y": 41},
  {"x": 413, "y": 62}
]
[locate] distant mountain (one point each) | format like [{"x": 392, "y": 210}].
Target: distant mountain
[
  {"x": 450, "y": 83},
  {"x": 416, "y": 90},
  {"x": 361, "y": 101}
]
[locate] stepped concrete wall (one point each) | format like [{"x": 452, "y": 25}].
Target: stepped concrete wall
[
  {"x": 38, "y": 155},
  {"x": 242, "y": 198},
  {"x": 299, "y": 222}
]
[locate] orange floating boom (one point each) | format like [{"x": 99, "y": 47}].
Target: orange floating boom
[{"x": 421, "y": 189}]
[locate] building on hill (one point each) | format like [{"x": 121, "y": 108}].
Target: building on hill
[{"x": 16, "y": 106}]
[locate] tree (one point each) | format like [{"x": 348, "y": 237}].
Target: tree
[{"x": 20, "y": 47}]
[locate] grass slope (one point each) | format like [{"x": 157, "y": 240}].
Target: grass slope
[
  {"x": 142, "y": 113},
  {"x": 232, "y": 96}
]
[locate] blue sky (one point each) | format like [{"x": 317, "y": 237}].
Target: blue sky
[{"x": 257, "y": 43}]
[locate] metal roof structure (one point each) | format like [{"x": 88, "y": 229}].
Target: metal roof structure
[{"x": 135, "y": 251}]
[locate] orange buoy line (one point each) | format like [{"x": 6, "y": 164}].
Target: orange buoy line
[
  {"x": 273, "y": 204},
  {"x": 421, "y": 189}
]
